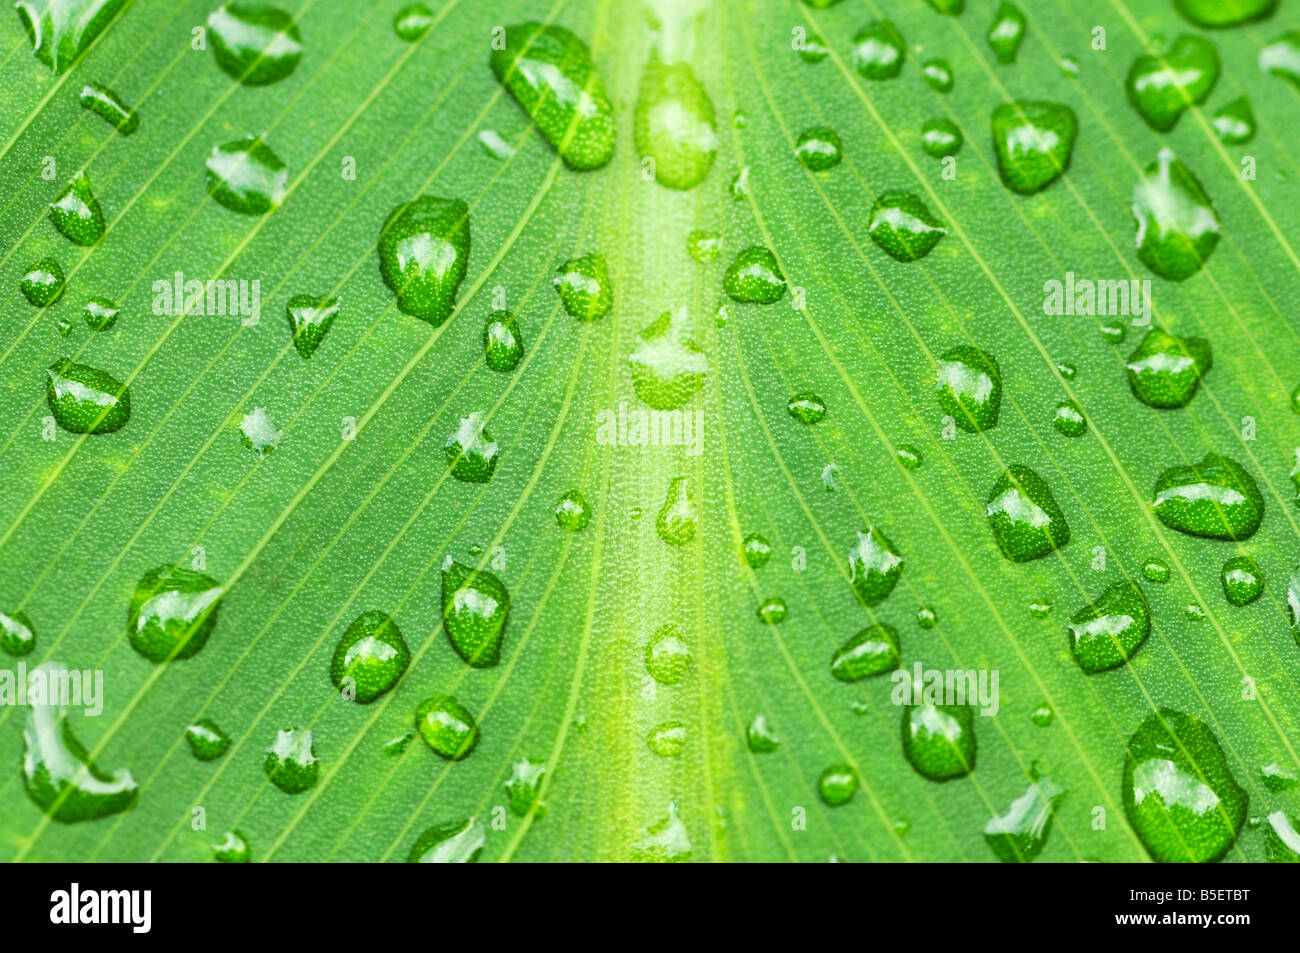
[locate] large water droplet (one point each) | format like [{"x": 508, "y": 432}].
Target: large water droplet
[
  {"x": 549, "y": 72},
  {"x": 1162, "y": 86},
  {"x": 1177, "y": 226},
  {"x": 1215, "y": 498},
  {"x": 475, "y": 608},
  {"x": 446, "y": 727},
  {"x": 471, "y": 451},
  {"x": 57, "y": 770},
  {"x": 423, "y": 254},
  {"x": 369, "y": 658},
  {"x": 173, "y": 611},
  {"x": 456, "y": 842},
  {"x": 873, "y": 651},
  {"x": 970, "y": 388},
  {"x": 309, "y": 321},
  {"x": 106, "y": 104},
  {"x": 1178, "y": 791},
  {"x": 668, "y": 367},
  {"x": 76, "y": 213},
  {"x": 1026, "y": 521},
  {"x": 290, "y": 761},
  {"x": 1034, "y": 141},
  {"x": 1007, "y": 32},
  {"x": 256, "y": 43},
  {"x": 246, "y": 176},
  {"x": 61, "y": 31},
  {"x": 585, "y": 288},
  {"x": 1018, "y": 836},
  {"x": 1165, "y": 370},
  {"x": 939, "y": 740},
  {"x": 1106, "y": 633},
  {"x": 874, "y": 567},
  {"x": 86, "y": 400},
  {"x": 675, "y": 124},
  {"x": 879, "y": 51}
]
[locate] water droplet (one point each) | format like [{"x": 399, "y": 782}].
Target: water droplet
[
  {"x": 739, "y": 187},
  {"x": 1213, "y": 14},
  {"x": 395, "y": 746},
  {"x": 1043, "y": 715},
  {"x": 232, "y": 849},
  {"x": 873, "y": 651},
  {"x": 1234, "y": 123},
  {"x": 675, "y": 124},
  {"x": 475, "y": 607},
  {"x": 62, "y": 31},
  {"x": 926, "y": 617},
  {"x": 1026, "y": 521},
  {"x": 772, "y": 611},
  {"x": 879, "y": 51},
  {"x": 757, "y": 551},
  {"x": 246, "y": 176},
  {"x": 57, "y": 771},
  {"x": 1242, "y": 580},
  {"x": 423, "y": 254},
  {"x": 456, "y": 842},
  {"x": 173, "y": 611},
  {"x": 1106, "y": 633},
  {"x": 1007, "y": 32},
  {"x": 86, "y": 400},
  {"x": 106, "y": 104},
  {"x": 1069, "y": 419},
  {"x": 549, "y": 72},
  {"x": 938, "y": 75},
  {"x": 64, "y": 325},
  {"x": 1114, "y": 332},
  {"x": 668, "y": 656},
  {"x": 100, "y": 314},
  {"x": 903, "y": 227},
  {"x": 951, "y": 8},
  {"x": 1281, "y": 839},
  {"x": 940, "y": 138},
  {"x": 494, "y": 145},
  {"x": 309, "y": 321},
  {"x": 939, "y": 740},
  {"x": 1165, "y": 370},
  {"x": 759, "y": 736},
  {"x": 1156, "y": 570},
  {"x": 1069, "y": 67},
  {"x": 807, "y": 408},
  {"x": 471, "y": 451},
  {"x": 369, "y": 658},
  {"x": 814, "y": 49},
  {"x": 1034, "y": 141},
  {"x": 76, "y": 213},
  {"x": 206, "y": 740},
  {"x": 837, "y": 784},
  {"x": 572, "y": 511},
  {"x": 874, "y": 567},
  {"x": 667, "y": 740},
  {"x": 909, "y": 456},
  {"x": 1178, "y": 791},
  {"x": 256, "y": 43},
  {"x": 668, "y": 366},
  {"x": 257, "y": 431},
  {"x": 1278, "y": 778},
  {"x": 665, "y": 841},
  {"x": 524, "y": 785},
  {"x": 830, "y": 472},
  {"x": 1215, "y": 498},
  {"x": 1177, "y": 226},
  {"x": 970, "y": 388},
  {"x": 1282, "y": 57},
  {"x": 678, "y": 518},
  {"x": 754, "y": 277},
  {"x": 704, "y": 246},
  {"x": 43, "y": 283},
  {"x": 819, "y": 149},
  {"x": 446, "y": 727},
  {"x": 503, "y": 346},
  {"x": 1162, "y": 86},
  {"x": 1194, "y": 613},
  {"x": 413, "y": 21},
  {"x": 1018, "y": 836},
  {"x": 585, "y": 288},
  {"x": 17, "y": 635},
  {"x": 1040, "y": 610},
  {"x": 290, "y": 761},
  {"x": 1068, "y": 371}
]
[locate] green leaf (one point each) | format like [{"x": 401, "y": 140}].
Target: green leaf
[{"x": 735, "y": 486}]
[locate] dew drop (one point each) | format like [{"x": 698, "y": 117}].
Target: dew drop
[
  {"x": 837, "y": 784},
  {"x": 503, "y": 345},
  {"x": 668, "y": 656},
  {"x": 1242, "y": 580},
  {"x": 678, "y": 518},
  {"x": 1024, "y": 516},
  {"x": 524, "y": 785},
  {"x": 471, "y": 452},
  {"x": 875, "y": 566},
  {"x": 76, "y": 213},
  {"x": 43, "y": 283},
  {"x": 1177, "y": 226},
  {"x": 290, "y": 761},
  {"x": 1161, "y": 86},
  {"x": 675, "y": 124},
  {"x": 1018, "y": 836},
  {"x": 494, "y": 145},
  {"x": 1282, "y": 57},
  {"x": 665, "y": 841},
  {"x": 757, "y": 551},
  {"x": 1156, "y": 570},
  {"x": 585, "y": 288},
  {"x": 173, "y": 612},
  {"x": 572, "y": 511},
  {"x": 106, "y": 104},
  {"x": 475, "y": 608},
  {"x": 902, "y": 225},
  {"x": 257, "y": 432},
  {"x": 456, "y": 842},
  {"x": 413, "y": 21},
  {"x": 1043, "y": 715},
  {"x": 819, "y": 149},
  {"x": 759, "y": 736},
  {"x": 909, "y": 456},
  {"x": 1034, "y": 141},
  {"x": 969, "y": 388},
  {"x": 926, "y": 617},
  {"x": 938, "y": 75},
  {"x": 232, "y": 849},
  {"x": 667, "y": 740},
  {"x": 772, "y": 611},
  {"x": 1007, "y": 32},
  {"x": 1279, "y": 778},
  {"x": 807, "y": 408},
  {"x": 1106, "y": 633},
  {"x": 941, "y": 138},
  {"x": 873, "y": 651},
  {"x": 100, "y": 314},
  {"x": 879, "y": 51},
  {"x": 255, "y": 43},
  {"x": 704, "y": 246},
  {"x": 446, "y": 727},
  {"x": 739, "y": 187},
  {"x": 1214, "y": 499},
  {"x": 423, "y": 255},
  {"x": 939, "y": 740},
  {"x": 247, "y": 177},
  {"x": 1166, "y": 370},
  {"x": 1282, "y": 839},
  {"x": 814, "y": 49},
  {"x": 369, "y": 658},
  {"x": 206, "y": 740},
  {"x": 86, "y": 400},
  {"x": 310, "y": 319},
  {"x": 668, "y": 367},
  {"x": 1214, "y": 14},
  {"x": 17, "y": 635},
  {"x": 61, "y": 32},
  {"x": 1234, "y": 123},
  {"x": 754, "y": 277},
  {"x": 1069, "y": 419}
]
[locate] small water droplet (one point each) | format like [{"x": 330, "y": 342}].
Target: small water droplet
[
  {"x": 754, "y": 277},
  {"x": 550, "y": 74},
  {"x": 757, "y": 551},
  {"x": 879, "y": 51},
  {"x": 814, "y": 49},
  {"x": 1242, "y": 580},
  {"x": 572, "y": 511},
  {"x": 1282, "y": 839},
  {"x": 926, "y": 617},
  {"x": 1007, "y": 32},
  {"x": 668, "y": 367},
  {"x": 1162, "y": 85},
  {"x": 1215, "y": 499},
  {"x": 1069, "y": 419},
  {"x": 1043, "y": 715},
  {"x": 1282, "y": 57},
  {"x": 76, "y": 213},
  {"x": 257, "y": 431},
  {"x": 819, "y": 149},
  {"x": 232, "y": 849},
  {"x": 1166, "y": 370},
  {"x": 704, "y": 246},
  {"x": 1018, "y": 836},
  {"x": 1156, "y": 570},
  {"x": 665, "y": 841},
  {"x": 475, "y": 609},
  {"x": 902, "y": 225},
  {"x": 100, "y": 314},
  {"x": 1106, "y": 633},
  {"x": 873, "y": 651},
  {"x": 254, "y": 42},
  {"x": 494, "y": 145},
  {"x": 909, "y": 456},
  {"x": 667, "y": 740},
  {"x": 1278, "y": 778},
  {"x": 471, "y": 452},
  {"x": 772, "y": 611},
  {"x": 668, "y": 656},
  {"x": 939, "y": 740},
  {"x": 1177, "y": 226},
  {"x": 524, "y": 785},
  {"x": 423, "y": 255},
  {"x": 837, "y": 784},
  {"x": 310, "y": 319},
  {"x": 1069, "y": 67},
  {"x": 678, "y": 518},
  {"x": 369, "y": 658},
  {"x": 875, "y": 565},
  {"x": 290, "y": 761},
  {"x": 503, "y": 345},
  {"x": 17, "y": 635},
  {"x": 1114, "y": 332},
  {"x": 938, "y": 75},
  {"x": 455, "y": 842},
  {"x": 1234, "y": 123},
  {"x": 43, "y": 283},
  {"x": 413, "y": 21},
  {"x": 807, "y": 408},
  {"x": 739, "y": 187},
  {"x": 1034, "y": 141},
  {"x": 173, "y": 612},
  {"x": 1213, "y": 14},
  {"x": 1040, "y": 610},
  {"x": 759, "y": 736},
  {"x": 446, "y": 727},
  {"x": 585, "y": 288},
  {"x": 1022, "y": 512},
  {"x": 106, "y": 104},
  {"x": 86, "y": 400},
  {"x": 247, "y": 177},
  {"x": 970, "y": 388},
  {"x": 940, "y": 138},
  {"x": 206, "y": 740}
]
